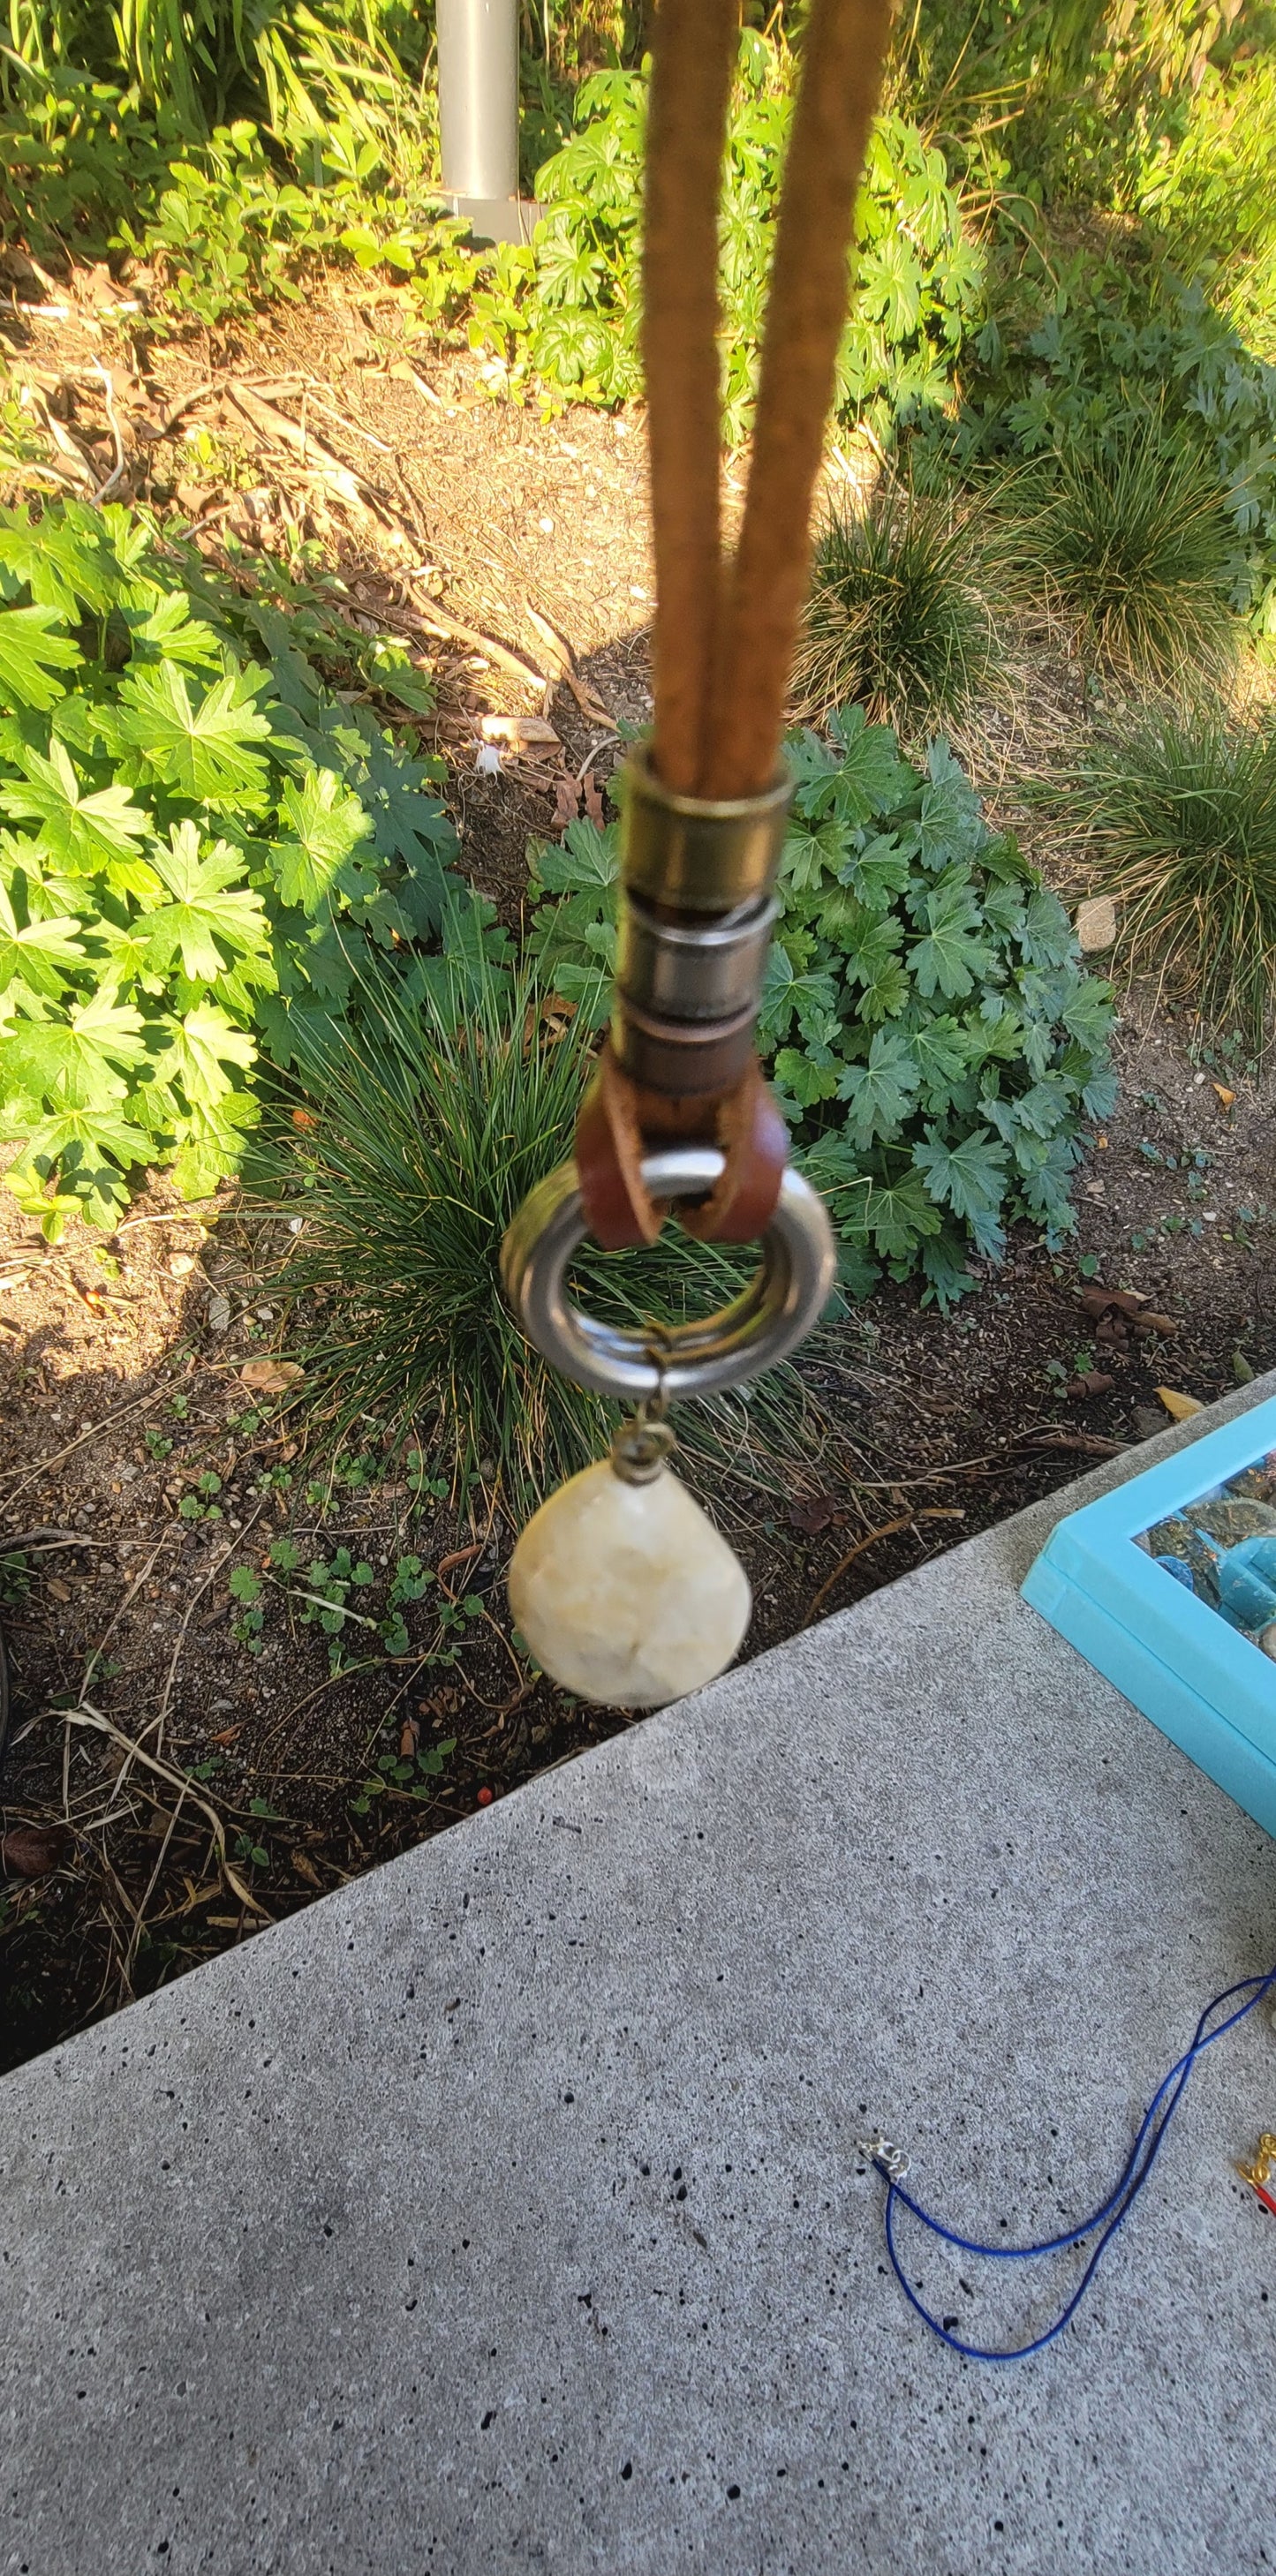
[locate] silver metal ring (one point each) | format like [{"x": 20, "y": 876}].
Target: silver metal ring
[
  {"x": 767, "y": 1320},
  {"x": 708, "y": 969}
]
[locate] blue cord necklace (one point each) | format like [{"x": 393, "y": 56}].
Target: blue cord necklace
[{"x": 892, "y": 2165}]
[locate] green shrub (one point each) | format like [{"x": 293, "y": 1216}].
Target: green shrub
[
  {"x": 1076, "y": 97},
  {"x": 342, "y": 165},
  {"x": 228, "y": 232},
  {"x": 573, "y": 320},
  {"x": 76, "y": 154},
  {"x": 1104, "y": 347},
  {"x": 1212, "y": 196},
  {"x": 193, "y": 837},
  {"x": 932, "y": 1038},
  {"x": 898, "y": 618},
  {"x": 1133, "y": 540},
  {"x": 420, "y": 1137},
  {"x": 1182, "y": 809}
]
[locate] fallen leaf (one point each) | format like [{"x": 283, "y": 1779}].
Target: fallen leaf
[
  {"x": 559, "y": 651},
  {"x": 219, "y": 1312},
  {"x": 1096, "y": 925},
  {"x": 522, "y": 731},
  {"x": 813, "y": 1516},
  {"x": 270, "y": 1377},
  {"x": 593, "y": 800},
  {"x": 27, "y": 1851},
  {"x": 1097, "y": 1300},
  {"x": 1227, "y": 1098},
  {"x": 461, "y": 1556},
  {"x": 409, "y": 1739},
  {"x": 1094, "y": 1382},
  {"x": 306, "y": 1869},
  {"x": 304, "y": 1118},
  {"x": 60, "y": 1591},
  {"x": 229, "y": 1733},
  {"x": 1147, "y": 1421},
  {"x": 1163, "y": 1324},
  {"x": 566, "y": 801},
  {"x": 591, "y": 707},
  {"x": 1179, "y": 1407},
  {"x": 1241, "y": 1370}
]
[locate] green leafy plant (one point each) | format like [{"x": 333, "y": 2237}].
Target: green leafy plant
[
  {"x": 1181, "y": 808},
  {"x": 1134, "y": 543},
  {"x": 1212, "y": 194},
  {"x": 77, "y": 150},
  {"x": 15, "y": 1579},
  {"x": 932, "y": 1037},
  {"x": 246, "y": 1628},
  {"x": 193, "y": 841},
  {"x": 410, "y": 1582},
  {"x": 228, "y": 230},
  {"x": 898, "y": 617},
  {"x": 575, "y": 319},
  {"x": 200, "y": 1503},
  {"x": 413, "y": 1776},
  {"x": 422, "y": 1136},
  {"x": 1102, "y": 357}
]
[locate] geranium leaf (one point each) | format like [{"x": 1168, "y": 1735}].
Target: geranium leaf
[
  {"x": 203, "y": 911},
  {"x": 880, "y": 1094},
  {"x": 952, "y": 956},
  {"x": 30, "y": 656},
  {"x": 587, "y": 858},
  {"x": 63, "y": 564},
  {"x": 206, "y": 748},
  {"x": 202, "y": 1044},
  {"x": 35, "y": 953},
  {"x": 82, "y": 831},
  {"x": 328, "y": 824},
  {"x": 899, "y": 1215},
  {"x": 969, "y": 1177}
]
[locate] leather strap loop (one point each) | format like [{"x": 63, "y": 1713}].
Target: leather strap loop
[{"x": 618, "y": 1123}]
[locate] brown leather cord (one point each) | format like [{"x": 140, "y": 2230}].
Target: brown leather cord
[
  {"x": 724, "y": 638},
  {"x": 844, "y": 44},
  {"x": 692, "y": 66}
]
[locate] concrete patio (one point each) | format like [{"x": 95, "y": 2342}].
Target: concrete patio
[{"x": 503, "y": 2212}]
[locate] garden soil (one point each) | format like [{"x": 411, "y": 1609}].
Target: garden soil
[{"x": 166, "y": 1791}]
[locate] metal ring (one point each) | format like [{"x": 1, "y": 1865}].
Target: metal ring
[
  {"x": 709, "y": 969},
  {"x": 768, "y": 1319}
]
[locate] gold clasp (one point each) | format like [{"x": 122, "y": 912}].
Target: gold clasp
[{"x": 1263, "y": 2167}]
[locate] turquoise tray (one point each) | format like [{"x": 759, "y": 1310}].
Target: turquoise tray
[{"x": 1207, "y": 1687}]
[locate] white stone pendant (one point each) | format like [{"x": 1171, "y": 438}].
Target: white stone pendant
[{"x": 623, "y": 1588}]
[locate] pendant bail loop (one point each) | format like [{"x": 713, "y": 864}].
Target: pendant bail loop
[{"x": 641, "y": 1448}]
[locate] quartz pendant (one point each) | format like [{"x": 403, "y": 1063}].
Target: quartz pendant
[{"x": 624, "y": 1589}]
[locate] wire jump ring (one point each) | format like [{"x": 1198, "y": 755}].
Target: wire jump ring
[{"x": 763, "y": 1324}]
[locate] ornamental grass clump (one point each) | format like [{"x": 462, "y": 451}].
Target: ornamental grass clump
[
  {"x": 898, "y": 619},
  {"x": 1182, "y": 810},
  {"x": 1131, "y": 536},
  {"x": 406, "y": 1156}
]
